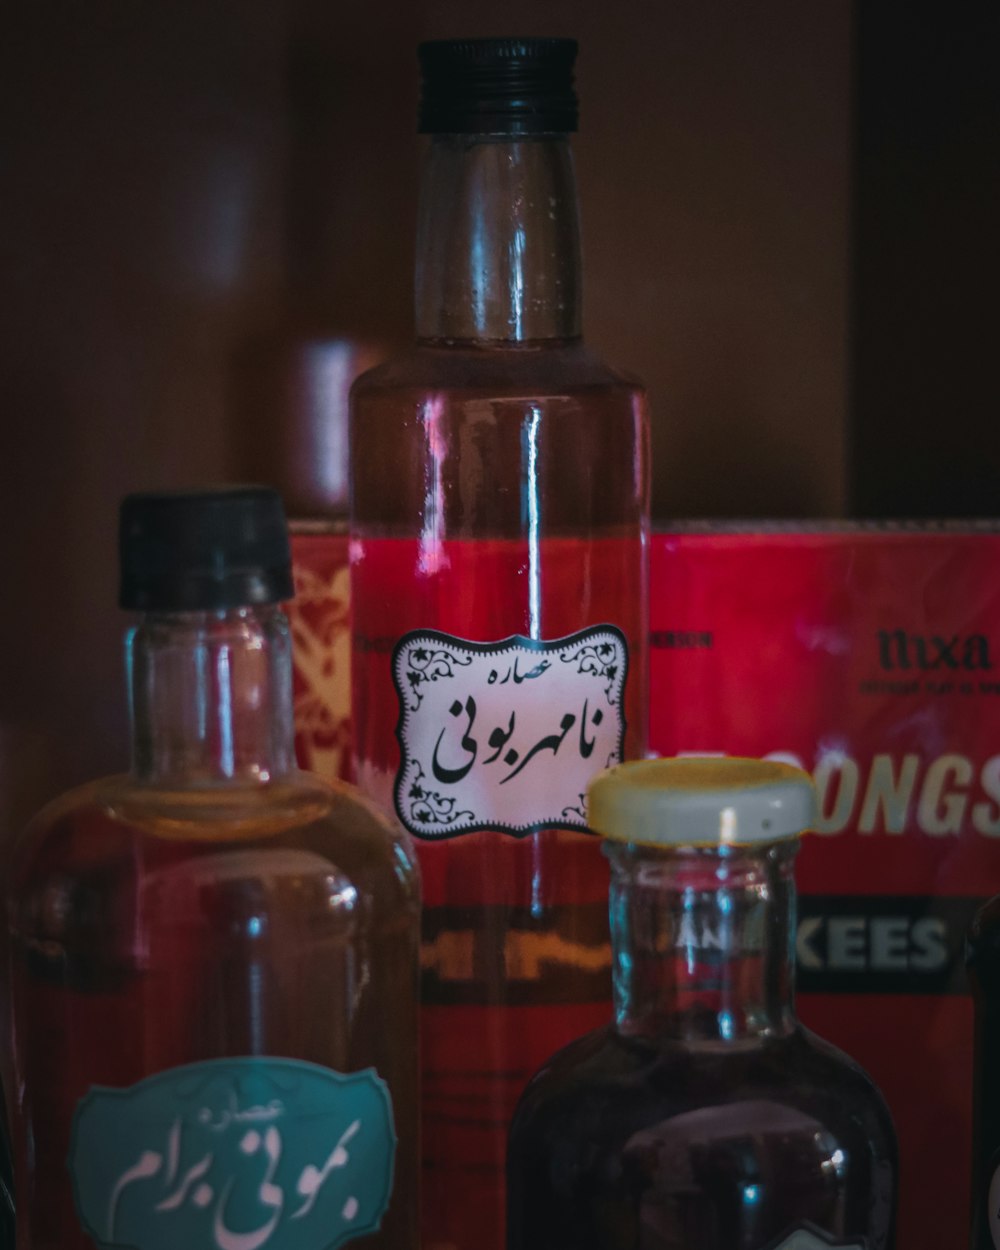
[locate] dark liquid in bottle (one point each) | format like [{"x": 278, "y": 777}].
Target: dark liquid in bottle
[
  {"x": 152, "y": 929},
  {"x": 622, "y": 1143}
]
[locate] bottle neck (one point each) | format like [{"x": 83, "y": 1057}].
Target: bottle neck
[
  {"x": 498, "y": 241},
  {"x": 703, "y": 941},
  {"x": 211, "y": 697}
]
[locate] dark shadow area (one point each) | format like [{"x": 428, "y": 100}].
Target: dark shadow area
[{"x": 925, "y": 414}]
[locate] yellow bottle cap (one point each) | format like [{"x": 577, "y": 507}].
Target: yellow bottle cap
[{"x": 695, "y": 801}]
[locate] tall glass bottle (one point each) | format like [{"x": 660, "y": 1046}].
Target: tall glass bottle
[
  {"x": 499, "y": 527},
  {"x": 705, "y": 1117},
  {"x": 983, "y": 961},
  {"x": 212, "y": 961}
]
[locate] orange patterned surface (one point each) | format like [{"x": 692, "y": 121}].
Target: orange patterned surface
[{"x": 321, "y": 642}]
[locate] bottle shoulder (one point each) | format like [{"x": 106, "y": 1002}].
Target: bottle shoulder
[
  {"x": 498, "y": 371},
  {"x": 619, "y": 1084},
  {"x": 751, "y": 1141},
  {"x": 119, "y": 819},
  {"x": 826, "y": 1058}
]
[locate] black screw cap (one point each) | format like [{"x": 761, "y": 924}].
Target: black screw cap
[
  {"x": 498, "y": 86},
  {"x": 190, "y": 551}
]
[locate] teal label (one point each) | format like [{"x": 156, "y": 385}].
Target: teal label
[{"x": 235, "y": 1154}]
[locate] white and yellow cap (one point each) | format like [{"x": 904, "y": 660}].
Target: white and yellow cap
[{"x": 696, "y": 801}]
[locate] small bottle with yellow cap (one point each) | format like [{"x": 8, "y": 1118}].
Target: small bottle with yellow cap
[{"x": 705, "y": 1116}]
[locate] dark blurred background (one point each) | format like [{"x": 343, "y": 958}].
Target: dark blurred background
[{"x": 789, "y": 226}]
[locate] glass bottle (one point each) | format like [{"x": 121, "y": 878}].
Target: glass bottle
[
  {"x": 704, "y": 1117},
  {"x": 212, "y": 960},
  {"x": 499, "y": 526},
  {"x": 983, "y": 962}
]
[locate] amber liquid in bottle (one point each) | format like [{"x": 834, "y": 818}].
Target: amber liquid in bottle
[
  {"x": 499, "y": 488},
  {"x": 705, "y": 1117},
  {"x": 215, "y": 903}
]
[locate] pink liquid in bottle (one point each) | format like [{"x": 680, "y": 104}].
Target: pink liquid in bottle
[{"x": 499, "y": 523}]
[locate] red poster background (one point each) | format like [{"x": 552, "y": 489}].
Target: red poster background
[{"x": 878, "y": 652}]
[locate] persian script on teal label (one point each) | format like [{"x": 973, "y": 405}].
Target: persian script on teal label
[{"x": 235, "y": 1154}]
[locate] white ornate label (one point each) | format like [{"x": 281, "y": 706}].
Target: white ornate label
[
  {"x": 505, "y": 735},
  {"x": 802, "y": 1239}
]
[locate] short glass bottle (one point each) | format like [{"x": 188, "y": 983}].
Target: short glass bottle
[
  {"x": 705, "y": 1117},
  {"x": 212, "y": 961}
]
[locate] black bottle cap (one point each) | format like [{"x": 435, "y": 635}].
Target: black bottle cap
[
  {"x": 498, "y": 86},
  {"x": 190, "y": 551}
]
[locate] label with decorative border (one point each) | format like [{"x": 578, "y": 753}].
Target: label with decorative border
[
  {"x": 505, "y": 735},
  {"x": 235, "y": 1154}
]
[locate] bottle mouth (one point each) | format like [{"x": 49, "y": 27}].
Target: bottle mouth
[
  {"x": 706, "y": 802},
  {"x": 690, "y": 870}
]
